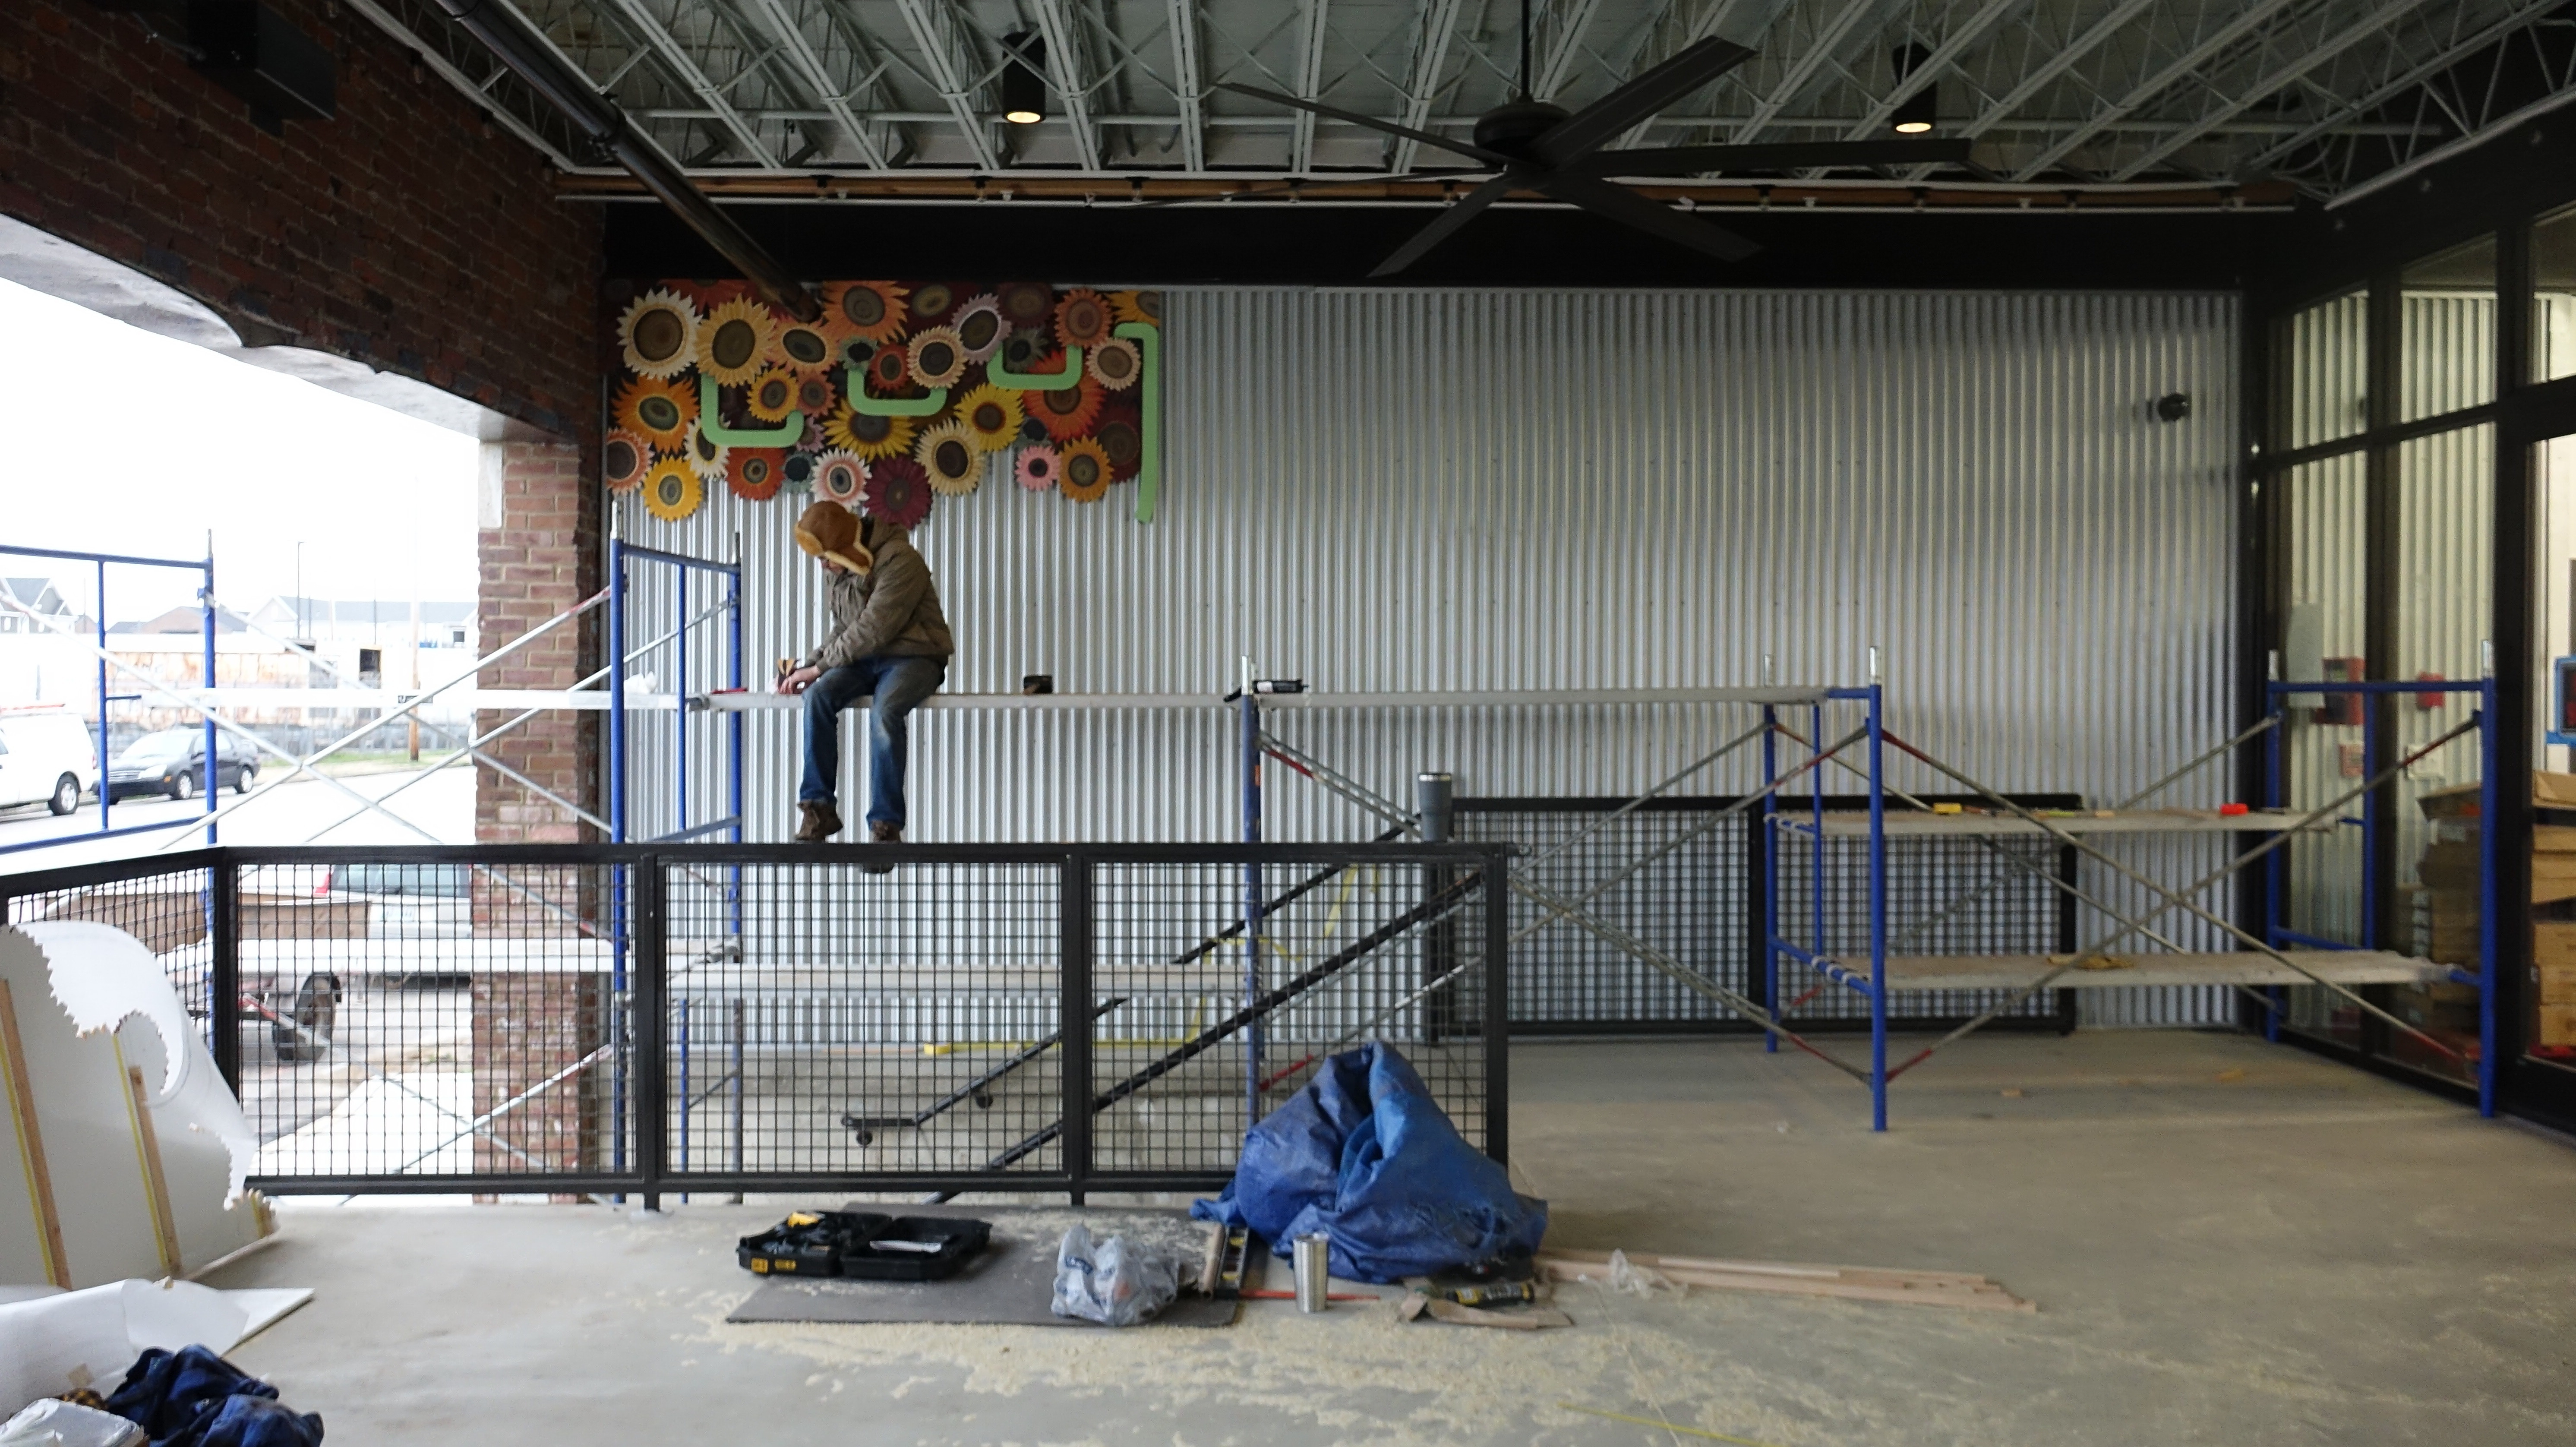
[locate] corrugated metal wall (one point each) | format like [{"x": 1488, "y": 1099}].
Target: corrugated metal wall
[{"x": 1378, "y": 490}]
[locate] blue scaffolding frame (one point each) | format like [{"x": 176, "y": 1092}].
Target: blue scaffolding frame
[
  {"x": 205, "y": 569},
  {"x": 2377, "y": 770},
  {"x": 622, "y": 554},
  {"x": 1775, "y": 945}
]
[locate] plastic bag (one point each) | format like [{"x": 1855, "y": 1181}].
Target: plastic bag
[
  {"x": 1637, "y": 1280},
  {"x": 50, "y": 1423},
  {"x": 1116, "y": 1283},
  {"x": 1364, "y": 1155}
]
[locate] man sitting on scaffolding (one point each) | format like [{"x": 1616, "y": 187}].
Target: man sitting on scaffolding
[{"x": 889, "y": 643}]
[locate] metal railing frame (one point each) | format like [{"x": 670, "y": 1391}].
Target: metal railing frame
[
  {"x": 648, "y": 1171},
  {"x": 205, "y": 569}
]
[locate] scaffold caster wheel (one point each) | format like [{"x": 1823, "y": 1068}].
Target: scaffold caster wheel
[
  {"x": 864, "y": 1136},
  {"x": 983, "y": 1101}
]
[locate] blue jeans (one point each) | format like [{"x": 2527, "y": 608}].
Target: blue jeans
[{"x": 898, "y": 685}]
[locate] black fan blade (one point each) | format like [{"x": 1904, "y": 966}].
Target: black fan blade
[
  {"x": 1450, "y": 220},
  {"x": 1627, "y": 207},
  {"x": 1491, "y": 158},
  {"x": 1568, "y": 140},
  {"x": 1785, "y": 156}
]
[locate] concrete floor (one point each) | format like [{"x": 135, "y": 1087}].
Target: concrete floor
[{"x": 2229, "y": 1243}]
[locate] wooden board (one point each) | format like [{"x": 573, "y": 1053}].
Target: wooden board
[
  {"x": 1955, "y": 1289},
  {"x": 2014, "y": 972},
  {"x": 44, "y": 1225},
  {"x": 156, "y": 1186}
]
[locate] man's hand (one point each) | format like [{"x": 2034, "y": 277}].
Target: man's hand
[{"x": 799, "y": 680}]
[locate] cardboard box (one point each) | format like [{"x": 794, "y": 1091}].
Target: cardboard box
[
  {"x": 2557, "y": 984},
  {"x": 2461, "y": 801},
  {"x": 2453, "y": 869},
  {"x": 2553, "y": 944},
  {"x": 2556, "y": 1025}
]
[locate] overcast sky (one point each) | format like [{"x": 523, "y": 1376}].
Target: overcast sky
[{"x": 122, "y": 441}]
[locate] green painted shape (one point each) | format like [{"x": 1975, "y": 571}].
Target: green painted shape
[
  {"x": 1069, "y": 378},
  {"x": 711, "y": 423},
  {"x": 856, "y": 384},
  {"x": 1149, "y": 460}
]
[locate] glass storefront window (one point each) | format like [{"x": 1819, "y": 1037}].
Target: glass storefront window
[
  {"x": 2325, "y": 522},
  {"x": 2445, "y": 581},
  {"x": 2549, "y": 1013},
  {"x": 2553, "y": 297},
  {"x": 2446, "y": 350},
  {"x": 2324, "y": 370}
]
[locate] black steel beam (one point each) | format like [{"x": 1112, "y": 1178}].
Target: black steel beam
[{"x": 507, "y": 36}]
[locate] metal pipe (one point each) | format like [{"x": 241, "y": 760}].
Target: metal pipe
[
  {"x": 507, "y": 36},
  {"x": 206, "y": 631},
  {"x": 1249, "y": 711},
  {"x": 737, "y": 1092}
]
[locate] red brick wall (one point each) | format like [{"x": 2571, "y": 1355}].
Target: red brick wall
[
  {"x": 539, "y": 562},
  {"x": 398, "y": 233}
]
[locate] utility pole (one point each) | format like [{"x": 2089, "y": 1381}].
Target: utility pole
[{"x": 415, "y": 670}]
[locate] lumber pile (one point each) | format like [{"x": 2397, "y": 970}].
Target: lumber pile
[{"x": 1782, "y": 1278}]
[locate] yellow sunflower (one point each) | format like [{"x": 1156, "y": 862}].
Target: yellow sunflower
[
  {"x": 659, "y": 334},
  {"x": 657, "y": 410},
  {"x": 866, "y": 435},
  {"x": 872, "y": 311},
  {"x": 805, "y": 346},
  {"x": 1138, "y": 306},
  {"x": 672, "y": 491},
  {"x": 773, "y": 395},
  {"x": 991, "y": 416},
  {"x": 1082, "y": 470},
  {"x": 948, "y": 452},
  {"x": 733, "y": 342}
]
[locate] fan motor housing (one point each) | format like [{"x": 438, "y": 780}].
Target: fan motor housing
[{"x": 1511, "y": 128}]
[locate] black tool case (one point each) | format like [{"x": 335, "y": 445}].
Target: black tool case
[
  {"x": 883, "y": 1256},
  {"x": 808, "y": 1243}
]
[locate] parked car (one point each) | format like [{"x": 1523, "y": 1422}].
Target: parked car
[
  {"x": 46, "y": 756},
  {"x": 173, "y": 762},
  {"x": 409, "y": 902}
]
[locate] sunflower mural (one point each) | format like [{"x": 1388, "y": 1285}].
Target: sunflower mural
[{"x": 899, "y": 392}]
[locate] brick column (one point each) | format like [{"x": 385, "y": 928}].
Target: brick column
[
  {"x": 540, "y": 553},
  {"x": 540, "y": 1007}
]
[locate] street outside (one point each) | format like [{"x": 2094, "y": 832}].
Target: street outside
[{"x": 281, "y": 809}]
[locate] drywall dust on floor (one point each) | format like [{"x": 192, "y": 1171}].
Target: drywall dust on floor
[{"x": 2228, "y": 1241}]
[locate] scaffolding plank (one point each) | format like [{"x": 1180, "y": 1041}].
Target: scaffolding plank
[
  {"x": 756, "y": 701},
  {"x": 2014, "y": 972},
  {"x": 1854, "y": 824}
]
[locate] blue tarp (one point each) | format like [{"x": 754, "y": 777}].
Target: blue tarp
[{"x": 1366, "y": 1156}]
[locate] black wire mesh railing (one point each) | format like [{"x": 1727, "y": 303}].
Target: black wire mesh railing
[
  {"x": 571, "y": 1019},
  {"x": 1683, "y": 875}
]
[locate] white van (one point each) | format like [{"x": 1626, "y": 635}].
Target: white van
[{"x": 47, "y": 756}]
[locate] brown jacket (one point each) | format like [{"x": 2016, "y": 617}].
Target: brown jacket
[{"x": 892, "y": 610}]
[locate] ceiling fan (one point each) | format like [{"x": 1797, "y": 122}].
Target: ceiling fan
[{"x": 1531, "y": 145}]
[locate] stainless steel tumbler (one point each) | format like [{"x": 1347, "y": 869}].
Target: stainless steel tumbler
[{"x": 1312, "y": 1257}]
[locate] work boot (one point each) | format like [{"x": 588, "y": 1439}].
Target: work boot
[
  {"x": 884, "y": 833},
  {"x": 822, "y": 821}
]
